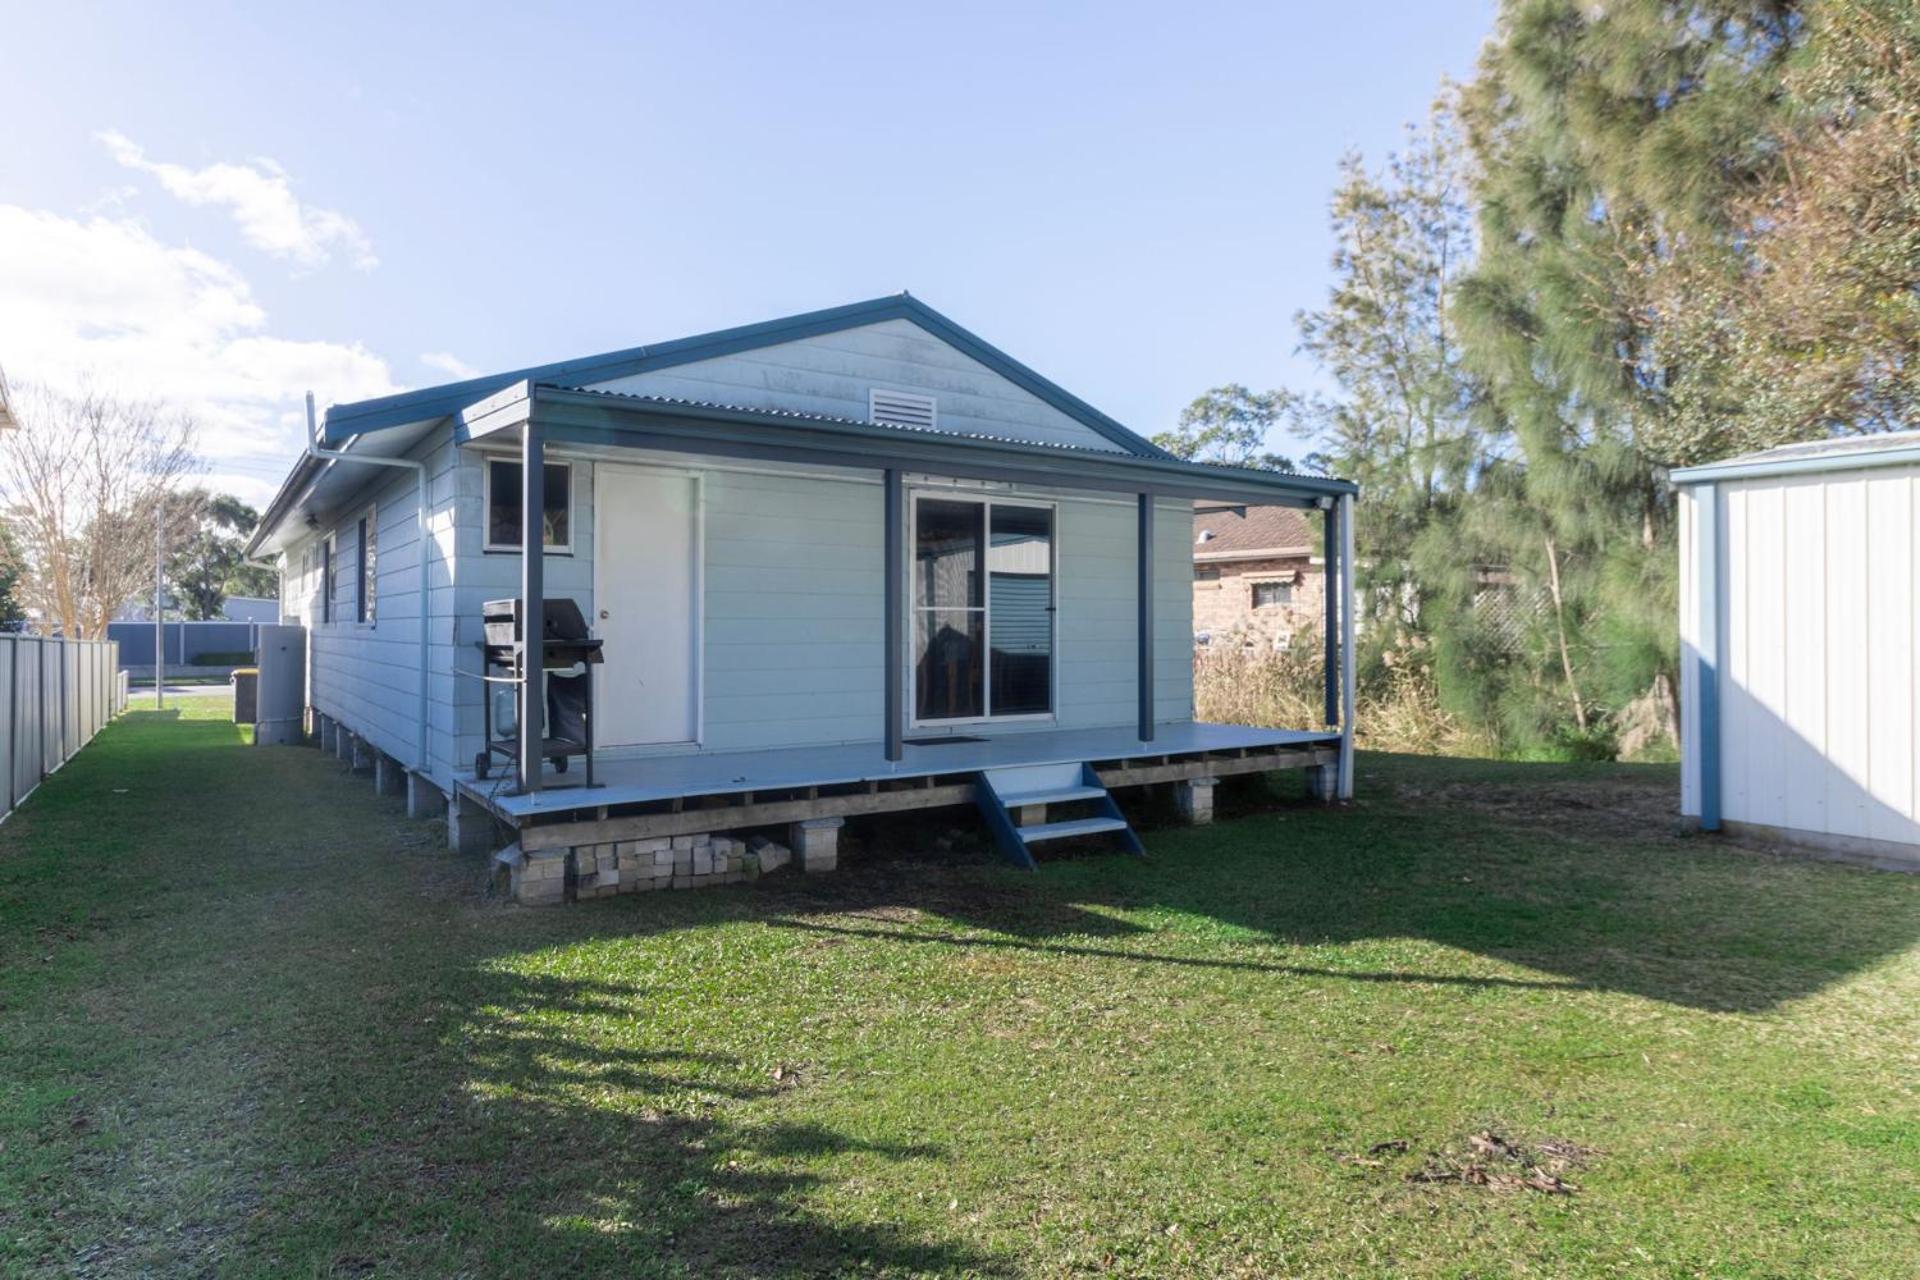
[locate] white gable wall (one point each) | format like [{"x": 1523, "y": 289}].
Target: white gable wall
[{"x": 832, "y": 373}]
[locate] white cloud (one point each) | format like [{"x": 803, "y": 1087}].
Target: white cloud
[
  {"x": 448, "y": 363},
  {"x": 101, "y": 298},
  {"x": 260, "y": 198}
]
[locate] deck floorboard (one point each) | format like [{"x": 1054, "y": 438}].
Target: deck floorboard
[{"x": 641, "y": 779}]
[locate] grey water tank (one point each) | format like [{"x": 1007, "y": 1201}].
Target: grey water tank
[{"x": 282, "y": 700}]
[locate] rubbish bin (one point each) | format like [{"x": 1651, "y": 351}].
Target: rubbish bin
[{"x": 246, "y": 694}]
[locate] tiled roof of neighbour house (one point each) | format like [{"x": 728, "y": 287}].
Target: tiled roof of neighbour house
[{"x": 1252, "y": 530}]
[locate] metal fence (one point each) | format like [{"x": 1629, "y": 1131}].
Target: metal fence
[
  {"x": 186, "y": 642},
  {"x": 54, "y": 696}
]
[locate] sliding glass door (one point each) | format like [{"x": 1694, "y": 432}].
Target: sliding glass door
[{"x": 983, "y": 609}]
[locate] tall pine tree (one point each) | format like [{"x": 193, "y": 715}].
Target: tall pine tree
[{"x": 1606, "y": 137}]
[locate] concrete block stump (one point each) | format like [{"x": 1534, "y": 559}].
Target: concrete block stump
[
  {"x": 470, "y": 829},
  {"x": 816, "y": 842},
  {"x": 342, "y": 741},
  {"x": 540, "y": 879},
  {"x": 423, "y": 798},
  {"x": 768, "y": 855},
  {"x": 323, "y": 726},
  {"x": 1323, "y": 783},
  {"x": 389, "y": 779},
  {"x": 362, "y": 755},
  {"x": 1029, "y": 815},
  {"x": 1195, "y": 799}
]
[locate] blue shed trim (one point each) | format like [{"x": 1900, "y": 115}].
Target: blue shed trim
[
  {"x": 1813, "y": 458},
  {"x": 1706, "y": 550},
  {"x": 347, "y": 420}
]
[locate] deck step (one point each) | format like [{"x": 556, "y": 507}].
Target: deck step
[
  {"x": 1004, "y": 792},
  {"x": 1052, "y": 795},
  {"x": 1067, "y": 830}
]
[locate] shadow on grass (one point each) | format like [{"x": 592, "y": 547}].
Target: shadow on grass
[
  {"x": 611, "y": 1159},
  {"x": 1579, "y": 871}
]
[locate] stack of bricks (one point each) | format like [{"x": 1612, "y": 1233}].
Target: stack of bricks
[{"x": 630, "y": 866}]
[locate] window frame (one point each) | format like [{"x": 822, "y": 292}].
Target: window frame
[
  {"x": 326, "y": 578},
  {"x": 490, "y": 547},
  {"x": 1283, "y": 584},
  {"x": 366, "y": 576},
  {"x": 987, "y": 501}
]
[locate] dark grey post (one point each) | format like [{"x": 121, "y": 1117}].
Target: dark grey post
[
  {"x": 896, "y": 570},
  {"x": 533, "y": 590},
  {"x": 1330, "y": 583},
  {"x": 1144, "y": 555}
]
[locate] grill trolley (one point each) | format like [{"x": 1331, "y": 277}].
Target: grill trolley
[{"x": 568, "y": 657}]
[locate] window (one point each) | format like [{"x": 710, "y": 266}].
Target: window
[
  {"x": 366, "y": 583},
  {"x": 503, "y": 506},
  {"x": 326, "y": 580},
  {"x": 982, "y": 596},
  {"x": 1268, "y": 594},
  {"x": 1206, "y": 573}
]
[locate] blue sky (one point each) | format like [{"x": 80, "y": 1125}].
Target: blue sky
[{"x": 224, "y": 204}]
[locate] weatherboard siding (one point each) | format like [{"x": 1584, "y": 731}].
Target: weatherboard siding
[
  {"x": 791, "y": 583},
  {"x": 367, "y": 675},
  {"x": 832, "y": 373}
]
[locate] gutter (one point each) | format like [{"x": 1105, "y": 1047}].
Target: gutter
[
  {"x": 1756, "y": 465},
  {"x": 419, "y": 470},
  {"x": 1267, "y": 553}
]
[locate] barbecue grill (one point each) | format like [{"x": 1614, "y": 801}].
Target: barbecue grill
[{"x": 568, "y": 656}]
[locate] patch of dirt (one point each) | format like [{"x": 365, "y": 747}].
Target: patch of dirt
[
  {"x": 1614, "y": 809},
  {"x": 1503, "y": 1164}
]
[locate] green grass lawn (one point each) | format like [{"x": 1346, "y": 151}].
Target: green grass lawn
[{"x": 255, "y": 1022}]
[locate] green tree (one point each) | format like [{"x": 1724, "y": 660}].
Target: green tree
[
  {"x": 1401, "y": 419},
  {"x": 1807, "y": 321},
  {"x": 1605, "y": 139},
  {"x": 1230, "y": 426},
  {"x": 209, "y": 564},
  {"x": 12, "y": 613}
]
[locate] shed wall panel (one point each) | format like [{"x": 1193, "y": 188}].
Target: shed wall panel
[
  {"x": 1818, "y": 617},
  {"x": 1804, "y": 565}
]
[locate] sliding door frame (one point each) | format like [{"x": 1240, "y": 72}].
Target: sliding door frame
[{"x": 911, "y": 675}]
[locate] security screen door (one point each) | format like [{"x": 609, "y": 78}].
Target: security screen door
[{"x": 983, "y": 609}]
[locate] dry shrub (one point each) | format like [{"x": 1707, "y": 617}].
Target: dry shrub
[{"x": 1396, "y": 706}]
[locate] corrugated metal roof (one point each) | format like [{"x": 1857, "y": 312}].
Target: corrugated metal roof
[
  {"x": 832, "y": 420},
  {"x": 1837, "y": 453}
]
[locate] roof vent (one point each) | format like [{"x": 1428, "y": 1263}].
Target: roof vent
[{"x": 900, "y": 409}]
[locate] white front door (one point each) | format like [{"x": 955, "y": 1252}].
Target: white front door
[{"x": 646, "y": 576}]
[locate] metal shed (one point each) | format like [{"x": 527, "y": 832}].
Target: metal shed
[{"x": 1798, "y": 618}]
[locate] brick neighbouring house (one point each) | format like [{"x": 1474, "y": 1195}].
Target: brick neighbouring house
[{"x": 1257, "y": 578}]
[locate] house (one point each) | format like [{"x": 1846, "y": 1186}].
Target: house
[
  {"x": 839, "y": 563},
  {"x": 1257, "y": 576},
  {"x": 1799, "y": 721}
]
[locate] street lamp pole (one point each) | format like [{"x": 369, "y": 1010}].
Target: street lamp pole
[{"x": 159, "y": 605}]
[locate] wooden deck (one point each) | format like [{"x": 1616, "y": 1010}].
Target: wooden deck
[{"x": 675, "y": 794}]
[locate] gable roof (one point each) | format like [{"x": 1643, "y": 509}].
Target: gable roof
[
  {"x": 1251, "y": 532},
  {"x": 345, "y": 421}
]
